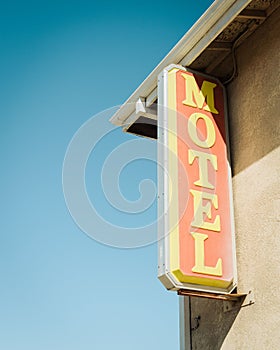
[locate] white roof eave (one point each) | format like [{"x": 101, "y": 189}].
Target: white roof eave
[{"x": 214, "y": 20}]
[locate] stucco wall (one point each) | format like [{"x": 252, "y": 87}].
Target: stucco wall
[{"x": 253, "y": 99}]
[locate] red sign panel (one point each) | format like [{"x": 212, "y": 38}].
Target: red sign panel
[{"x": 197, "y": 251}]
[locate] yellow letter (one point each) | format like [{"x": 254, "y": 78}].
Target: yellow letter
[
  {"x": 199, "y": 267},
  {"x": 196, "y": 97},
  {"x": 192, "y": 129},
  {"x": 203, "y": 166},
  {"x": 200, "y": 209}
]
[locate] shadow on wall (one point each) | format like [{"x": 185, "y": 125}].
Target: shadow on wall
[
  {"x": 253, "y": 97},
  {"x": 210, "y": 321}
]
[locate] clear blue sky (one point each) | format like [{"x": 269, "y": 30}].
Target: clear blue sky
[{"x": 61, "y": 63}]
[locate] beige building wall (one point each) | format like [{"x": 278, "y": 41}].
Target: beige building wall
[
  {"x": 254, "y": 109},
  {"x": 254, "y": 103}
]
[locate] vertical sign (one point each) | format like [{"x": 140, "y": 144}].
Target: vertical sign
[{"x": 196, "y": 230}]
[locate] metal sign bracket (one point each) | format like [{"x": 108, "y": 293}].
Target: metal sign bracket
[{"x": 230, "y": 301}]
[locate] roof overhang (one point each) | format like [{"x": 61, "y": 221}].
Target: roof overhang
[{"x": 206, "y": 47}]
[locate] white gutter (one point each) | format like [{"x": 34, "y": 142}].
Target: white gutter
[{"x": 216, "y": 18}]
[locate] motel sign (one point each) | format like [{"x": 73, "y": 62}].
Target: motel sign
[{"x": 196, "y": 230}]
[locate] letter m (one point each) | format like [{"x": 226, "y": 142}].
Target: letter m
[{"x": 196, "y": 97}]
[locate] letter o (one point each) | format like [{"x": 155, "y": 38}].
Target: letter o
[{"x": 192, "y": 129}]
